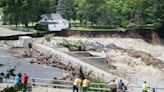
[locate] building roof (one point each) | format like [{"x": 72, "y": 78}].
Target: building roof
[
  {"x": 53, "y": 16},
  {"x": 50, "y": 18}
]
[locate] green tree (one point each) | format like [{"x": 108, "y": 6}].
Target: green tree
[
  {"x": 100, "y": 13},
  {"x": 66, "y": 8}
]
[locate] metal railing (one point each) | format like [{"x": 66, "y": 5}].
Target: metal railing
[
  {"x": 94, "y": 87},
  {"x": 67, "y": 84}
]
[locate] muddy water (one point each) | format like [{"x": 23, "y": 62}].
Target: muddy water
[
  {"x": 135, "y": 77},
  {"x": 23, "y": 66}
]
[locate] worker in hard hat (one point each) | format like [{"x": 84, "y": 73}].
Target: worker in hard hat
[
  {"x": 145, "y": 87},
  {"x": 85, "y": 85},
  {"x": 76, "y": 84}
]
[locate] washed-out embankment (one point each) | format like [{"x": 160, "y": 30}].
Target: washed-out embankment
[{"x": 155, "y": 36}]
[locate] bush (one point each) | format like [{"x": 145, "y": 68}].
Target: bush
[
  {"x": 17, "y": 88},
  {"x": 99, "y": 80},
  {"x": 72, "y": 46},
  {"x": 48, "y": 37},
  {"x": 131, "y": 25},
  {"x": 154, "y": 25},
  {"x": 10, "y": 89},
  {"x": 41, "y": 27}
]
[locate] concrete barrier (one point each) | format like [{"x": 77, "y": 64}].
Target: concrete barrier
[{"x": 65, "y": 58}]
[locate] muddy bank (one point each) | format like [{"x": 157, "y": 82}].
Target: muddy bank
[{"x": 155, "y": 36}]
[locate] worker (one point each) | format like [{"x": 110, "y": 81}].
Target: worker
[
  {"x": 20, "y": 77},
  {"x": 16, "y": 80},
  {"x": 113, "y": 85},
  {"x": 85, "y": 85},
  {"x": 121, "y": 86},
  {"x": 25, "y": 82},
  {"x": 145, "y": 87},
  {"x": 25, "y": 79},
  {"x": 76, "y": 84}
]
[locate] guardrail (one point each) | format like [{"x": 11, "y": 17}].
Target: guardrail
[
  {"x": 68, "y": 84},
  {"x": 94, "y": 87},
  {"x": 61, "y": 84}
]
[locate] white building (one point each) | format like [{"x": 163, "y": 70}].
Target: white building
[
  {"x": 54, "y": 21},
  {"x": 1, "y": 15},
  {"x": 25, "y": 41}
]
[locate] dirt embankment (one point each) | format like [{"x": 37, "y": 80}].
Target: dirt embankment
[{"x": 154, "y": 36}]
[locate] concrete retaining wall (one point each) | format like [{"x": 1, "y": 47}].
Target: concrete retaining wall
[{"x": 65, "y": 58}]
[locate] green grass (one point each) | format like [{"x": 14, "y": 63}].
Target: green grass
[
  {"x": 99, "y": 80},
  {"x": 1, "y": 9},
  {"x": 96, "y": 29},
  {"x": 83, "y": 28}
]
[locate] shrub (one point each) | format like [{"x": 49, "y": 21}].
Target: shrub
[
  {"x": 41, "y": 27},
  {"x": 48, "y": 37},
  {"x": 17, "y": 88},
  {"x": 131, "y": 25},
  {"x": 10, "y": 89},
  {"x": 72, "y": 46},
  {"x": 99, "y": 80}
]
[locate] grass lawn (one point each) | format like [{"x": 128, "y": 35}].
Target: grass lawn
[
  {"x": 95, "y": 29},
  {"x": 1, "y": 10},
  {"x": 83, "y": 28}
]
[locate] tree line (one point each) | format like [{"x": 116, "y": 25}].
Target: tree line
[{"x": 98, "y": 13}]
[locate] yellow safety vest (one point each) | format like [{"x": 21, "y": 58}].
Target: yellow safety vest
[
  {"x": 77, "y": 82},
  {"x": 145, "y": 87},
  {"x": 86, "y": 83}
]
